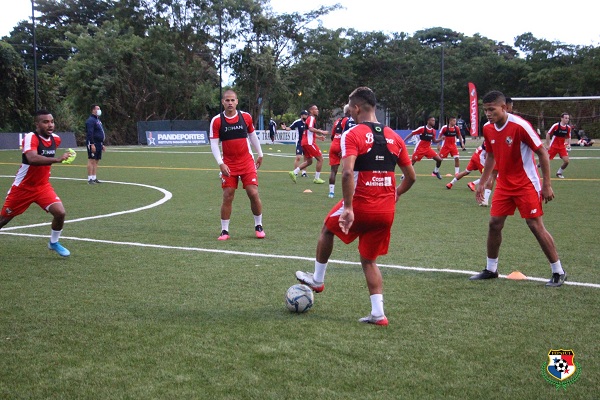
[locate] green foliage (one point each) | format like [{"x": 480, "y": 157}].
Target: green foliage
[
  {"x": 160, "y": 59},
  {"x": 16, "y": 102},
  {"x": 136, "y": 79}
]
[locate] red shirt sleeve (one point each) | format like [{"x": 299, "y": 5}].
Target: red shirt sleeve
[{"x": 249, "y": 122}]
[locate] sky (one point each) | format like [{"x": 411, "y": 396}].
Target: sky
[{"x": 570, "y": 22}]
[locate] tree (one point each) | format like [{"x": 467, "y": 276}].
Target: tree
[
  {"x": 16, "y": 102},
  {"x": 136, "y": 79},
  {"x": 271, "y": 44}
]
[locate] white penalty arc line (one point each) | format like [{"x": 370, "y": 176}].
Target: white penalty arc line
[
  {"x": 167, "y": 196},
  {"x": 286, "y": 257}
]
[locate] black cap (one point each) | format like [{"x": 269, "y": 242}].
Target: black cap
[{"x": 303, "y": 112}]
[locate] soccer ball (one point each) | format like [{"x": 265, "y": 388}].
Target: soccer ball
[
  {"x": 299, "y": 298},
  {"x": 561, "y": 365}
]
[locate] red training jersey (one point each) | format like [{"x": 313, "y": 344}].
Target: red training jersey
[
  {"x": 451, "y": 133},
  {"x": 426, "y": 135},
  {"x": 478, "y": 158},
  {"x": 375, "y": 191},
  {"x": 339, "y": 127},
  {"x": 237, "y": 153},
  {"x": 559, "y": 134},
  {"x": 308, "y": 139},
  {"x": 35, "y": 175},
  {"x": 513, "y": 147}
]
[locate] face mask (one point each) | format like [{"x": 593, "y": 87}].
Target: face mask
[{"x": 99, "y": 113}]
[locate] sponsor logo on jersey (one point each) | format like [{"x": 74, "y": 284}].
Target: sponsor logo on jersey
[
  {"x": 379, "y": 181},
  {"x": 233, "y": 127},
  {"x": 48, "y": 153}
]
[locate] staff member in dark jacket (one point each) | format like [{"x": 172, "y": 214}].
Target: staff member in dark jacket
[{"x": 94, "y": 140}]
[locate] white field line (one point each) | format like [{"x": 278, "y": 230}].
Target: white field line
[
  {"x": 168, "y": 195},
  {"x": 286, "y": 257}
]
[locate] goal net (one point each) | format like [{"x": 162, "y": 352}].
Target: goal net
[{"x": 543, "y": 112}]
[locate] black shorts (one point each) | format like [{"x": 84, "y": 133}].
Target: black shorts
[
  {"x": 299, "y": 151},
  {"x": 98, "y": 154}
]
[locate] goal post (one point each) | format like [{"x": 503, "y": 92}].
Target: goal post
[{"x": 543, "y": 112}]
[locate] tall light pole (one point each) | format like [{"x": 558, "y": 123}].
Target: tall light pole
[
  {"x": 35, "y": 81},
  {"x": 442, "y": 91},
  {"x": 220, "y": 55}
]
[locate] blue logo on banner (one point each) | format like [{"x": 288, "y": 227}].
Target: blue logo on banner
[{"x": 176, "y": 138}]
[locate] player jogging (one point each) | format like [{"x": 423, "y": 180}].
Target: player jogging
[
  {"x": 340, "y": 126},
  {"x": 309, "y": 146},
  {"x": 557, "y": 136},
  {"x": 451, "y": 133},
  {"x": 298, "y": 125},
  {"x": 427, "y": 135},
  {"x": 475, "y": 164},
  {"x": 32, "y": 182}
]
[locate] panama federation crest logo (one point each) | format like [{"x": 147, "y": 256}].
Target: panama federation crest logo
[{"x": 561, "y": 369}]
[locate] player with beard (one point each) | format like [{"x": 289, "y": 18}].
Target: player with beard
[
  {"x": 340, "y": 126},
  {"x": 32, "y": 182}
]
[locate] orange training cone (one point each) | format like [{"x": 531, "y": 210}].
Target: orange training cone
[
  {"x": 308, "y": 191},
  {"x": 517, "y": 276}
]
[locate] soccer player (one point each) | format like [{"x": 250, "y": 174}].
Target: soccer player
[
  {"x": 427, "y": 134},
  {"x": 298, "y": 125},
  {"x": 272, "y": 130},
  {"x": 234, "y": 129},
  {"x": 475, "y": 164},
  {"x": 489, "y": 184},
  {"x": 370, "y": 153},
  {"x": 309, "y": 146},
  {"x": 511, "y": 142},
  {"x": 556, "y": 137},
  {"x": 340, "y": 126},
  {"x": 464, "y": 129},
  {"x": 94, "y": 138},
  {"x": 32, "y": 182},
  {"x": 450, "y": 133}
]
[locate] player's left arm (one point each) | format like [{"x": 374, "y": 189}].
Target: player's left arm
[
  {"x": 409, "y": 179},
  {"x": 256, "y": 144},
  {"x": 462, "y": 140},
  {"x": 347, "y": 218},
  {"x": 319, "y": 133},
  {"x": 488, "y": 167},
  {"x": 544, "y": 161},
  {"x": 33, "y": 158},
  {"x": 549, "y": 135}
]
